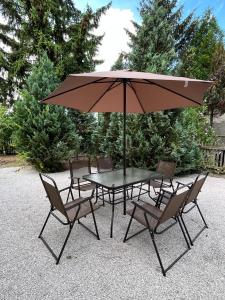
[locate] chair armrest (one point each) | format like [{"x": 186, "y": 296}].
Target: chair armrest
[
  {"x": 64, "y": 189},
  {"x": 78, "y": 202},
  {"x": 164, "y": 192},
  {"x": 145, "y": 210},
  {"x": 183, "y": 185}
]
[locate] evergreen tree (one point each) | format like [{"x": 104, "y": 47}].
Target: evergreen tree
[
  {"x": 7, "y": 126},
  {"x": 121, "y": 63},
  {"x": 198, "y": 61},
  {"x": 161, "y": 36},
  {"x": 44, "y": 135},
  {"x": 215, "y": 97},
  {"x": 56, "y": 27},
  {"x": 85, "y": 125},
  {"x": 191, "y": 130},
  {"x": 110, "y": 144}
]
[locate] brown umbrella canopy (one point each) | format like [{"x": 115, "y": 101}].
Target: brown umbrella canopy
[
  {"x": 145, "y": 92},
  {"x": 126, "y": 91}
]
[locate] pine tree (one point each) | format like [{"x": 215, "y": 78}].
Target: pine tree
[
  {"x": 85, "y": 124},
  {"x": 44, "y": 135},
  {"x": 110, "y": 144},
  {"x": 160, "y": 38},
  {"x": 198, "y": 61},
  {"x": 121, "y": 63},
  {"x": 56, "y": 27}
]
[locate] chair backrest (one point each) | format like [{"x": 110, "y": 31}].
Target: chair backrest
[
  {"x": 53, "y": 193},
  {"x": 104, "y": 164},
  {"x": 196, "y": 187},
  {"x": 166, "y": 168},
  {"x": 79, "y": 166},
  {"x": 174, "y": 205}
]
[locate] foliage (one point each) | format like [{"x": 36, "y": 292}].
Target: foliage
[
  {"x": 85, "y": 125},
  {"x": 198, "y": 61},
  {"x": 122, "y": 62},
  {"x": 152, "y": 137},
  {"x": 162, "y": 36},
  {"x": 159, "y": 43},
  {"x": 57, "y": 27},
  {"x": 7, "y": 127},
  {"x": 44, "y": 135},
  {"x": 215, "y": 97},
  {"x": 191, "y": 130}
]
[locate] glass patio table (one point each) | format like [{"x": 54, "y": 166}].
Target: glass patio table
[{"x": 115, "y": 180}]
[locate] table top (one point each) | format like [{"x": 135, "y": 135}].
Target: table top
[{"x": 115, "y": 179}]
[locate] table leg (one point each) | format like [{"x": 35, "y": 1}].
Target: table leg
[
  {"x": 96, "y": 194},
  {"x": 124, "y": 201},
  {"x": 112, "y": 218}
]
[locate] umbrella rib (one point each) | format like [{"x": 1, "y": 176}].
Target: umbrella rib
[
  {"x": 103, "y": 94},
  {"x": 169, "y": 90},
  {"x": 77, "y": 87},
  {"x": 135, "y": 92}
]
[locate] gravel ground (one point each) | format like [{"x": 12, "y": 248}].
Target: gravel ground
[{"x": 105, "y": 269}]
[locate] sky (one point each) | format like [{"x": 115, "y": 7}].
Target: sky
[{"x": 122, "y": 12}]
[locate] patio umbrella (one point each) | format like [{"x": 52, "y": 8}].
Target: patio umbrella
[{"x": 127, "y": 92}]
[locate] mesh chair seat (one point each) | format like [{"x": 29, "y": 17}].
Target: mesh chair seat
[
  {"x": 85, "y": 209},
  {"x": 139, "y": 215}
]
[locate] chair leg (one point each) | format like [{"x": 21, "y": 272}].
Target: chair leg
[
  {"x": 185, "y": 226},
  {"x": 186, "y": 230},
  {"x": 57, "y": 258},
  {"x": 201, "y": 215},
  {"x": 128, "y": 227},
  {"x": 45, "y": 223},
  {"x": 70, "y": 192},
  {"x": 64, "y": 244},
  {"x": 157, "y": 252},
  {"x": 182, "y": 229},
  {"x": 140, "y": 192},
  {"x": 96, "y": 195},
  {"x": 93, "y": 216},
  {"x": 103, "y": 197}
]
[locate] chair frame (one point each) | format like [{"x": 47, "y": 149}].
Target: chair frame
[
  {"x": 194, "y": 192},
  {"x": 77, "y": 185},
  {"x": 161, "y": 183},
  {"x": 154, "y": 231},
  {"x": 77, "y": 203}
]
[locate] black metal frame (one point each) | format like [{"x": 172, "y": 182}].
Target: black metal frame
[
  {"x": 77, "y": 185},
  {"x": 152, "y": 233},
  {"x": 69, "y": 222},
  {"x": 195, "y": 204},
  {"x": 185, "y": 225}
]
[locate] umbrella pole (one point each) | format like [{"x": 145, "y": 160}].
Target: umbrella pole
[{"x": 124, "y": 124}]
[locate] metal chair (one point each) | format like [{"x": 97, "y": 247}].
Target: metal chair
[
  {"x": 72, "y": 211},
  {"x": 104, "y": 164},
  {"x": 195, "y": 189},
  {"x": 79, "y": 167},
  {"x": 152, "y": 217},
  {"x": 167, "y": 170}
]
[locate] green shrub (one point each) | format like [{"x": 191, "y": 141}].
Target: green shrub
[
  {"x": 173, "y": 135},
  {"x": 191, "y": 130},
  {"x": 7, "y": 127},
  {"x": 45, "y": 135}
]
